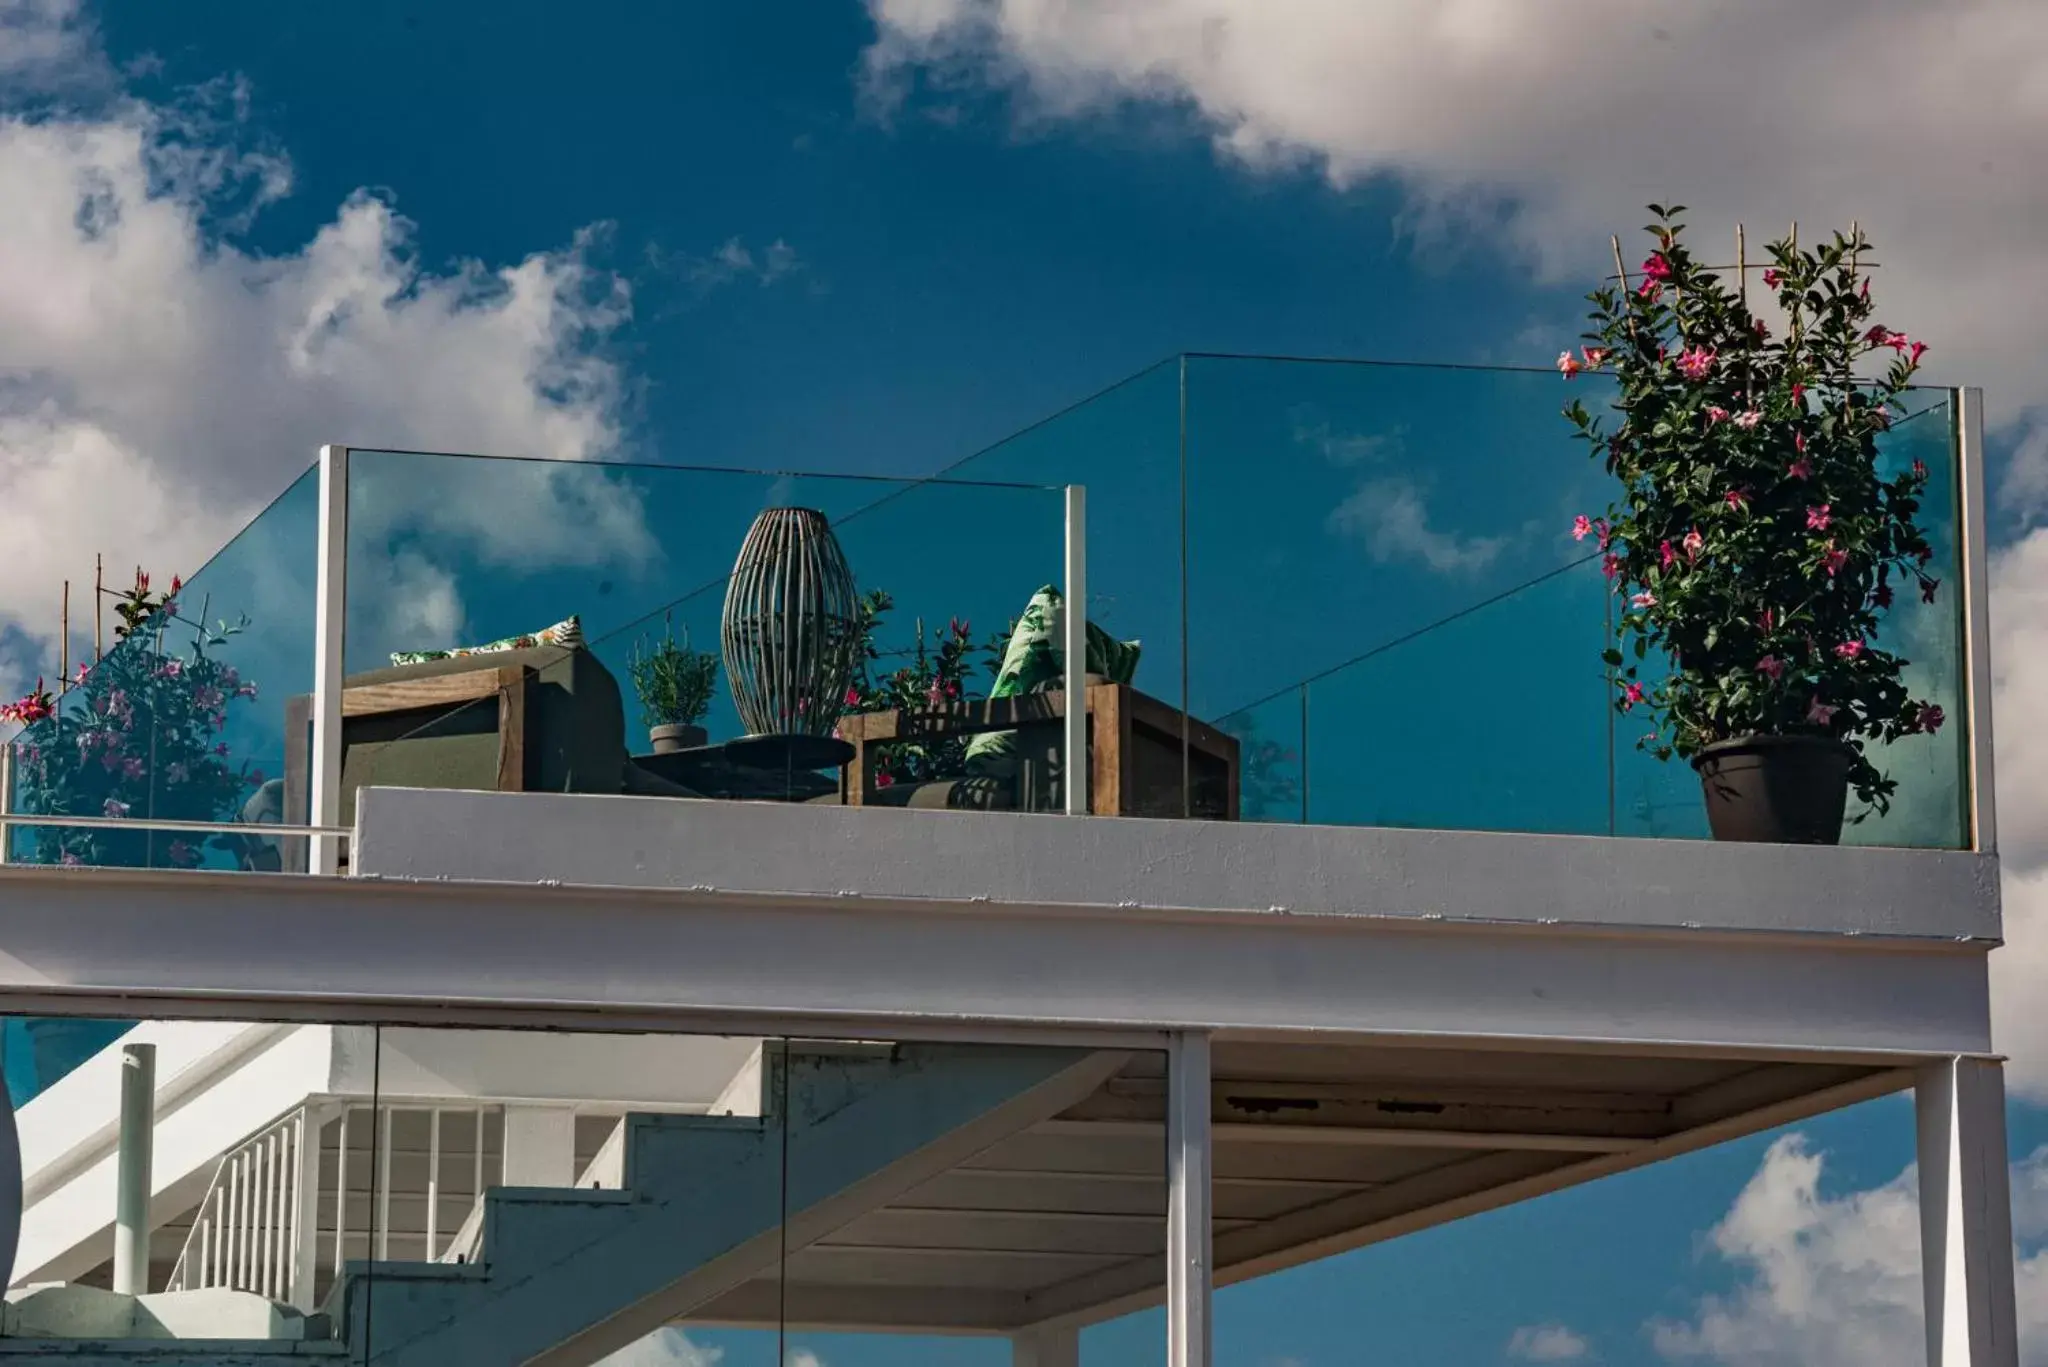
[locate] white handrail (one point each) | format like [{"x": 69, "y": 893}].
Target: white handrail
[{"x": 250, "y": 1230}]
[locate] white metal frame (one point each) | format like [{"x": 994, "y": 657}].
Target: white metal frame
[
  {"x": 1074, "y": 761},
  {"x": 1190, "y": 1262},
  {"x": 1976, "y": 589},
  {"x": 329, "y": 619}
]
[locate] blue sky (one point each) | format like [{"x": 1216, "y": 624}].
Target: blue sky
[{"x": 874, "y": 239}]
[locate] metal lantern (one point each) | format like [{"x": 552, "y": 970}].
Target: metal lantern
[{"x": 790, "y": 627}]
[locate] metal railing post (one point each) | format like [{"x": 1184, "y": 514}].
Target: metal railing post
[
  {"x": 329, "y": 616},
  {"x": 1074, "y": 763}
]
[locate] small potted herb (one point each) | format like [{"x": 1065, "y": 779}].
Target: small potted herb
[
  {"x": 674, "y": 683},
  {"x": 1756, "y": 542}
]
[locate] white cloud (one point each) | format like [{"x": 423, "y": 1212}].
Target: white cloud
[
  {"x": 733, "y": 261},
  {"x": 1547, "y": 1343},
  {"x": 1549, "y": 126},
  {"x": 1834, "y": 1281},
  {"x": 664, "y": 1348},
  {"x": 160, "y": 382},
  {"x": 1391, "y": 519}
]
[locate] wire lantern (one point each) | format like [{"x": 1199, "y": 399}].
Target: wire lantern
[{"x": 790, "y": 626}]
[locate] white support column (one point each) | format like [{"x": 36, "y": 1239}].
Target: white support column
[
  {"x": 1046, "y": 1348},
  {"x": 131, "y": 1169},
  {"x": 1074, "y": 762},
  {"x": 1976, "y": 601},
  {"x": 1189, "y": 1280},
  {"x": 329, "y": 613},
  {"x": 1965, "y": 1215},
  {"x": 305, "y": 1223}
]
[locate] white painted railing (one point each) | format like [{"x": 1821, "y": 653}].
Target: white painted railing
[{"x": 255, "y": 1227}]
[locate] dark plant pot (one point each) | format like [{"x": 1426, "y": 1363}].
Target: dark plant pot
[
  {"x": 676, "y": 736},
  {"x": 1780, "y": 790}
]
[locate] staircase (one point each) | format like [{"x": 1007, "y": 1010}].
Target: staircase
[{"x": 703, "y": 1203}]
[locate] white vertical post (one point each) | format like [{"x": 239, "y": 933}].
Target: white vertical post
[
  {"x": 6, "y": 799},
  {"x": 131, "y": 1189},
  {"x": 329, "y": 614},
  {"x": 1976, "y": 604},
  {"x": 1188, "y": 1273},
  {"x": 433, "y": 1181},
  {"x": 1965, "y": 1214},
  {"x": 306, "y": 1208},
  {"x": 382, "y": 1167},
  {"x": 1074, "y": 761},
  {"x": 1046, "y": 1347},
  {"x": 341, "y": 1195}
]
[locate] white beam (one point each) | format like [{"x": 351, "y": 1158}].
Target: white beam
[
  {"x": 1189, "y": 1265},
  {"x": 1355, "y": 1136},
  {"x": 449, "y": 953},
  {"x": 1966, "y": 1215},
  {"x": 1074, "y": 759}
]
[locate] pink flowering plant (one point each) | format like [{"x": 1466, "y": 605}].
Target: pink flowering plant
[
  {"x": 1756, "y": 544},
  {"x": 934, "y": 674},
  {"x": 137, "y": 735}
]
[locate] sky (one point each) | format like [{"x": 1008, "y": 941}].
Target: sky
[{"x": 874, "y": 238}]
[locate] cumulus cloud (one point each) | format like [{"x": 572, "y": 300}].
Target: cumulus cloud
[
  {"x": 1834, "y": 1281},
  {"x": 1391, "y": 519},
  {"x": 160, "y": 381},
  {"x": 1547, "y": 1343},
  {"x": 733, "y": 262},
  {"x": 669, "y": 1347}
]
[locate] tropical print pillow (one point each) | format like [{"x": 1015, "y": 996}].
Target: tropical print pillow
[
  {"x": 567, "y": 633},
  {"x": 1032, "y": 663}
]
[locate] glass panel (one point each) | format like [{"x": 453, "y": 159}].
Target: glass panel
[
  {"x": 1392, "y": 541},
  {"x": 625, "y": 1183},
  {"x": 1123, "y": 445},
  {"x": 935, "y": 574},
  {"x": 254, "y": 1130},
  {"x": 944, "y": 1197},
  {"x": 185, "y": 719},
  {"x": 1272, "y": 748}
]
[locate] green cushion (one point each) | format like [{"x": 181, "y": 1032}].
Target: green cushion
[
  {"x": 1033, "y": 662},
  {"x": 567, "y": 633}
]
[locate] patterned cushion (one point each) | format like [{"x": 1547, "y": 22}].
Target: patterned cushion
[
  {"x": 567, "y": 633},
  {"x": 1032, "y": 664}
]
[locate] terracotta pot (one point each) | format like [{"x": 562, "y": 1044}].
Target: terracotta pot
[
  {"x": 676, "y": 736},
  {"x": 1783, "y": 790}
]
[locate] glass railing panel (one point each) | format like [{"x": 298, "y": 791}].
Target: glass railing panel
[
  {"x": 1272, "y": 756},
  {"x": 183, "y": 720},
  {"x": 932, "y": 576},
  {"x": 1385, "y": 537},
  {"x": 1123, "y": 446}
]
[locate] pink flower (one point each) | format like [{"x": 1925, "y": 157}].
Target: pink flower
[
  {"x": 1656, "y": 267},
  {"x": 883, "y": 780},
  {"x": 221, "y": 749},
  {"x": 1919, "y": 349},
  {"x": 1694, "y": 543},
  {"x": 1582, "y": 527},
  {"x": 1568, "y": 364},
  {"x": 115, "y": 808},
  {"x": 1757, "y": 326},
  {"x": 1819, "y": 713},
  {"x": 1881, "y": 596},
  {"x": 1771, "y": 667},
  {"x": 1799, "y": 441},
  {"x": 1768, "y": 621},
  {"x": 1929, "y": 718},
  {"x": 1899, "y": 341},
  {"x": 1696, "y": 363},
  {"x": 1773, "y": 278},
  {"x": 1799, "y": 469},
  {"x": 1631, "y": 695},
  {"x": 69, "y": 861},
  {"x": 1849, "y": 650},
  {"x": 1817, "y": 519},
  {"x": 1919, "y": 469},
  {"x": 852, "y": 697},
  {"x": 1667, "y": 555},
  {"x": 1645, "y": 599},
  {"x": 1865, "y": 291},
  {"x": 180, "y": 852},
  {"x": 933, "y": 696},
  {"x": 1610, "y": 565},
  {"x": 1651, "y": 291},
  {"x": 1877, "y": 335},
  {"x": 1736, "y": 498},
  {"x": 1798, "y": 392},
  {"x": 1747, "y": 421},
  {"x": 176, "y": 584},
  {"x": 1716, "y": 413},
  {"x": 1834, "y": 560},
  {"x": 171, "y": 669},
  {"x": 1596, "y": 356}
]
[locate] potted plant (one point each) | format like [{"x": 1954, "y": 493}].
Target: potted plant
[
  {"x": 1756, "y": 543},
  {"x": 136, "y": 735},
  {"x": 674, "y": 683}
]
